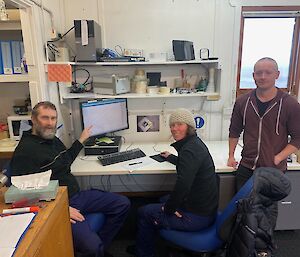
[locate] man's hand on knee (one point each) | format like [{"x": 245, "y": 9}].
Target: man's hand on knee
[{"x": 75, "y": 215}]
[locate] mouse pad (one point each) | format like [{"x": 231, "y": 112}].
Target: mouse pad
[{"x": 157, "y": 157}]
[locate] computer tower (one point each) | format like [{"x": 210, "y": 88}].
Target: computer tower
[
  {"x": 183, "y": 50},
  {"x": 92, "y": 147},
  {"x": 87, "y": 40}
]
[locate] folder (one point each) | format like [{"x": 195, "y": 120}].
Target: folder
[
  {"x": 6, "y": 57},
  {"x": 1, "y": 65},
  {"x": 12, "y": 229},
  {"x": 16, "y": 56}
]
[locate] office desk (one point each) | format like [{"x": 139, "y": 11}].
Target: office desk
[
  {"x": 288, "y": 208},
  {"x": 50, "y": 233},
  {"x": 6, "y": 152},
  {"x": 90, "y": 166}
]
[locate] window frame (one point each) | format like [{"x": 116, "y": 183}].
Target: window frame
[{"x": 294, "y": 66}]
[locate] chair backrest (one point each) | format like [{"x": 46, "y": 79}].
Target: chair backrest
[{"x": 226, "y": 217}]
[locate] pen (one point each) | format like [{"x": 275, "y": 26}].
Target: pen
[
  {"x": 21, "y": 210},
  {"x": 134, "y": 163}
]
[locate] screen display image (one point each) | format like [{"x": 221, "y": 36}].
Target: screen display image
[{"x": 105, "y": 116}]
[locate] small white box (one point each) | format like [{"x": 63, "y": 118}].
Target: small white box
[{"x": 111, "y": 86}]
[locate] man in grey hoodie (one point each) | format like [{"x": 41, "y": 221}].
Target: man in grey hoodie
[{"x": 267, "y": 116}]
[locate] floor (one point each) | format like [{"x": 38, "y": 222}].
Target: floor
[{"x": 288, "y": 243}]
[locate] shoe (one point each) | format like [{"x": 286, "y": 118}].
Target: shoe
[
  {"x": 131, "y": 249},
  {"x": 107, "y": 254},
  {"x": 263, "y": 254}
]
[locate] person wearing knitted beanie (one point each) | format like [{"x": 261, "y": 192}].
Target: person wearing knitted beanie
[
  {"x": 192, "y": 205},
  {"x": 180, "y": 117}
]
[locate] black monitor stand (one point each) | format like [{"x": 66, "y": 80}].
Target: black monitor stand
[{"x": 94, "y": 147}]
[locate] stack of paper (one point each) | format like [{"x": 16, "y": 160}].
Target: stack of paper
[{"x": 12, "y": 228}]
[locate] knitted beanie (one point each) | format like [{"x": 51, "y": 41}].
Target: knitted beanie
[{"x": 184, "y": 116}]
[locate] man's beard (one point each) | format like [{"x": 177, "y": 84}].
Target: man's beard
[{"x": 46, "y": 133}]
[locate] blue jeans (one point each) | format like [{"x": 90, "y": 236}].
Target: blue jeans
[
  {"x": 151, "y": 218},
  {"x": 115, "y": 208}
]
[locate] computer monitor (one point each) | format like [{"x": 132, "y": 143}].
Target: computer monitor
[
  {"x": 17, "y": 124},
  {"x": 106, "y": 116}
]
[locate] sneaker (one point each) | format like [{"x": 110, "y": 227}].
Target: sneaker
[{"x": 263, "y": 254}]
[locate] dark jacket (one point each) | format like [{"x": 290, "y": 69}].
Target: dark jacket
[
  {"x": 196, "y": 187},
  {"x": 265, "y": 136},
  {"x": 35, "y": 154},
  {"x": 253, "y": 231}
]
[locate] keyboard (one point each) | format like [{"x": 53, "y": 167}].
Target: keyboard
[{"x": 123, "y": 156}]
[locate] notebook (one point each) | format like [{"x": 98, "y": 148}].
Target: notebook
[{"x": 15, "y": 227}]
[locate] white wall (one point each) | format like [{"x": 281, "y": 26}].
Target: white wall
[{"x": 151, "y": 26}]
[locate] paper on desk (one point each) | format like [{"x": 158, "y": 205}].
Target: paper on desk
[
  {"x": 106, "y": 140},
  {"x": 137, "y": 164},
  {"x": 6, "y": 252},
  {"x": 32, "y": 181},
  {"x": 14, "y": 226}
]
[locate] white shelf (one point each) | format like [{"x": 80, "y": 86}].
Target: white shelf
[
  {"x": 10, "y": 25},
  {"x": 14, "y": 78},
  {"x": 136, "y": 63},
  {"x": 213, "y": 96}
]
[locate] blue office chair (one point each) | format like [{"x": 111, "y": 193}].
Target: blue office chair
[
  {"x": 208, "y": 240},
  {"x": 95, "y": 220}
]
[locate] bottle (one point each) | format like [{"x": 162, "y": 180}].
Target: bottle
[
  {"x": 211, "y": 81},
  {"x": 294, "y": 158}
]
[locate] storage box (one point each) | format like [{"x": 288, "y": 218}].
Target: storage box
[{"x": 47, "y": 193}]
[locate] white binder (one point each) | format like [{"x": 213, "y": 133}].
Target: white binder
[
  {"x": 16, "y": 56},
  {"x": 6, "y": 57}
]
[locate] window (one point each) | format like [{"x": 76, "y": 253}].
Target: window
[{"x": 270, "y": 32}]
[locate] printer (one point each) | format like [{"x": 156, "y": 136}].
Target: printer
[{"x": 115, "y": 85}]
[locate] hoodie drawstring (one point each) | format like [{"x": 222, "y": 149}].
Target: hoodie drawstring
[
  {"x": 245, "y": 110},
  {"x": 278, "y": 116}
]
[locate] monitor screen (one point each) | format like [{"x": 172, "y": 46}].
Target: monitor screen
[
  {"x": 18, "y": 124},
  {"x": 105, "y": 116}
]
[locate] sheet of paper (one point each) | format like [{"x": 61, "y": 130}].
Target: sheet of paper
[
  {"x": 84, "y": 33},
  {"x": 6, "y": 252},
  {"x": 106, "y": 140},
  {"x": 137, "y": 164},
  {"x": 14, "y": 226}
]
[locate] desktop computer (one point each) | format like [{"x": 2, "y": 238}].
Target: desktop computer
[
  {"x": 105, "y": 116},
  {"x": 95, "y": 147}
]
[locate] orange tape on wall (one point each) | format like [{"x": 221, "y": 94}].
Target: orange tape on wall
[{"x": 59, "y": 73}]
